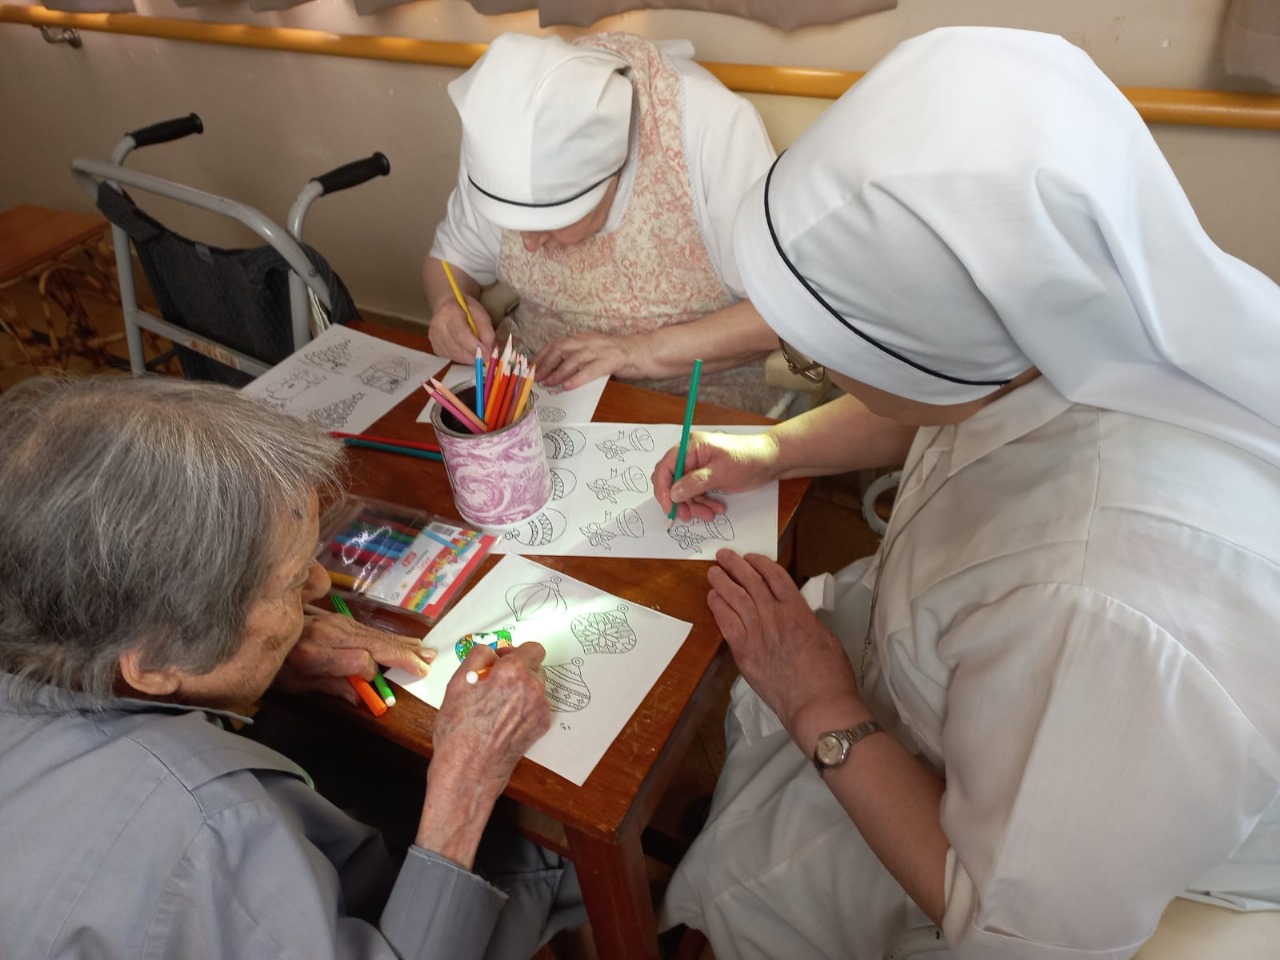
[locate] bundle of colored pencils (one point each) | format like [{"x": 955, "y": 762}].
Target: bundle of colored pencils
[{"x": 503, "y": 386}]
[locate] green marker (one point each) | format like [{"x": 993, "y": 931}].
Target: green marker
[{"x": 379, "y": 681}]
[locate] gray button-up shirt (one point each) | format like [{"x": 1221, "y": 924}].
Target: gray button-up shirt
[{"x": 148, "y": 831}]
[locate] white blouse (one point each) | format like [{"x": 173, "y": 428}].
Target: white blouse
[{"x": 1078, "y": 623}]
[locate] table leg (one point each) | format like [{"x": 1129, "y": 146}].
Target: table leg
[{"x": 615, "y": 887}]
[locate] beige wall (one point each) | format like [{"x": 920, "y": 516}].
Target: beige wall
[{"x": 272, "y": 120}]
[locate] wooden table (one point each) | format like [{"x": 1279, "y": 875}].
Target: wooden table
[{"x": 597, "y": 825}]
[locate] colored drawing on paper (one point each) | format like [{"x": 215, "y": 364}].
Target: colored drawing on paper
[{"x": 603, "y": 655}]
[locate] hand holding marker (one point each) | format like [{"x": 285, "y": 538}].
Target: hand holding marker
[{"x": 376, "y": 702}]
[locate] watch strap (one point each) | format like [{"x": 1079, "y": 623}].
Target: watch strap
[{"x": 850, "y": 736}]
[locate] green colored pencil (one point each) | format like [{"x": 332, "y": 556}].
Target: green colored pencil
[
  {"x": 392, "y": 448},
  {"x": 688, "y": 424}
]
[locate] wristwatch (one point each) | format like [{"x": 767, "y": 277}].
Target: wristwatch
[{"x": 834, "y": 745}]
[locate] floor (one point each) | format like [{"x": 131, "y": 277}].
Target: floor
[{"x": 830, "y": 533}]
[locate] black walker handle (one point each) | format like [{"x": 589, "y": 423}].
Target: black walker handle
[
  {"x": 167, "y": 130},
  {"x": 353, "y": 174}
]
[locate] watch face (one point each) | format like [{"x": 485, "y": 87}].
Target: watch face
[{"x": 830, "y": 750}]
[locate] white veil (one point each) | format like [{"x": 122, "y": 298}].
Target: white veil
[{"x": 985, "y": 200}]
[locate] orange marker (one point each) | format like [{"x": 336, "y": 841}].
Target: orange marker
[
  {"x": 369, "y": 695},
  {"x": 475, "y": 676}
]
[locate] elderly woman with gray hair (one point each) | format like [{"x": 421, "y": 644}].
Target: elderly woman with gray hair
[{"x": 157, "y": 543}]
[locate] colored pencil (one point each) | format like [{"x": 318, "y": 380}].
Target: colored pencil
[
  {"x": 394, "y": 448},
  {"x": 489, "y": 372},
  {"x": 499, "y": 379},
  {"x": 394, "y": 441},
  {"x": 462, "y": 301},
  {"x": 475, "y": 676},
  {"x": 506, "y": 400},
  {"x": 384, "y": 694},
  {"x": 524, "y": 393},
  {"x": 479, "y": 382},
  {"x": 455, "y": 400},
  {"x": 684, "y": 433},
  {"x": 466, "y": 419}
]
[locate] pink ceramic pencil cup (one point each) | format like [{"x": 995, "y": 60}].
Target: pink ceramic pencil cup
[{"x": 498, "y": 478}]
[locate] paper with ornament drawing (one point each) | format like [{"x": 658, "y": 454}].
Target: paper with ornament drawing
[
  {"x": 344, "y": 380},
  {"x": 603, "y": 655},
  {"x": 602, "y": 502}
]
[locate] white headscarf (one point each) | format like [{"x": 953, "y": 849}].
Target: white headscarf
[
  {"x": 985, "y": 200},
  {"x": 545, "y": 126}
]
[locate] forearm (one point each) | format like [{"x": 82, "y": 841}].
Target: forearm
[
  {"x": 724, "y": 339},
  {"x": 839, "y": 437},
  {"x": 893, "y": 800},
  {"x": 437, "y": 287},
  {"x": 455, "y": 810}
]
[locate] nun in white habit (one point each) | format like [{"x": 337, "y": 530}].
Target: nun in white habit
[{"x": 1063, "y": 712}]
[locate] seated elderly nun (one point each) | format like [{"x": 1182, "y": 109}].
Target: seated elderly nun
[
  {"x": 599, "y": 180},
  {"x": 1048, "y": 706},
  {"x": 157, "y": 562}
]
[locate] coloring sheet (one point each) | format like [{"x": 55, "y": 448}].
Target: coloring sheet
[
  {"x": 603, "y": 655},
  {"x": 554, "y": 405},
  {"x": 344, "y": 380},
  {"x": 602, "y": 502}
]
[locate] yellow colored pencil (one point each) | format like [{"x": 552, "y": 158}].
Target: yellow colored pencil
[{"x": 462, "y": 301}]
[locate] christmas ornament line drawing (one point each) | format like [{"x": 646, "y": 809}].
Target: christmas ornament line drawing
[
  {"x": 603, "y": 504},
  {"x": 563, "y": 482},
  {"x": 344, "y": 379},
  {"x": 541, "y": 599},
  {"x": 631, "y": 479},
  {"x": 637, "y": 440},
  {"x": 600, "y": 533},
  {"x": 567, "y": 691},
  {"x": 692, "y": 535},
  {"x": 603, "y": 654}
]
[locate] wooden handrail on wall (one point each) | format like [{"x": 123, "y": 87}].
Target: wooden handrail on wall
[{"x": 1210, "y": 108}]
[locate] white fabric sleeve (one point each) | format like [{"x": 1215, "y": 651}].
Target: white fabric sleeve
[
  {"x": 465, "y": 238},
  {"x": 1095, "y": 769},
  {"x": 728, "y": 150}
]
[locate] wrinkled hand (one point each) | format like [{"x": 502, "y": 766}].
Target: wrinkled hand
[
  {"x": 333, "y": 647},
  {"x": 487, "y": 726},
  {"x": 451, "y": 335},
  {"x": 729, "y": 463},
  {"x": 785, "y": 652},
  {"x": 579, "y": 359}
]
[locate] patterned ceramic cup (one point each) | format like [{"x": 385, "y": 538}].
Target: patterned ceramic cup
[{"x": 498, "y": 478}]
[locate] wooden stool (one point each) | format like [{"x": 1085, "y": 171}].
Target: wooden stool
[{"x": 59, "y": 253}]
